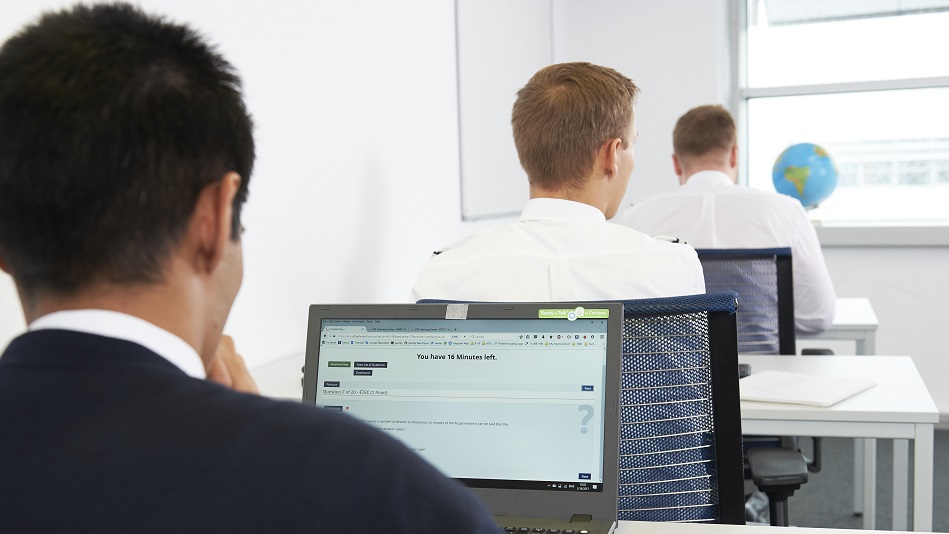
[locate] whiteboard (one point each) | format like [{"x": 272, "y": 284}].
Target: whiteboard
[{"x": 500, "y": 45}]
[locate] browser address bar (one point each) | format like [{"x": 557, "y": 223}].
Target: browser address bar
[{"x": 506, "y": 336}]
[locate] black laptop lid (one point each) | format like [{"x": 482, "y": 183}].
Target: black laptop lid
[{"x": 518, "y": 401}]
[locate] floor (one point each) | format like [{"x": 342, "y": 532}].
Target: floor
[{"x": 827, "y": 498}]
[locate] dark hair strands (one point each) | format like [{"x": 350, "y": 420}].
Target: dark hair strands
[{"x": 111, "y": 123}]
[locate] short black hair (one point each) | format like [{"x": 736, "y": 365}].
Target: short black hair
[{"x": 112, "y": 121}]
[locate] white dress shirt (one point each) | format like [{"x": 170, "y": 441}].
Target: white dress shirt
[
  {"x": 129, "y": 328},
  {"x": 560, "y": 250},
  {"x": 710, "y": 211}
]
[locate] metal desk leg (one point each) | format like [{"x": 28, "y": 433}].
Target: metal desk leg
[
  {"x": 869, "y": 484},
  {"x": 858, "y": 449},
  {"x": 863, "y": 345},
  {"x": 900, "y": 484},
  {"x": 869, "y": 344},
  {"x": 923, "y": 478}
]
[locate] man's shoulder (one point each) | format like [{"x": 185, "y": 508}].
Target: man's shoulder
[
  {"x": 133, "y": 378},
  {"x": 256, "y": 463},
  {"x": 640, "y": 241},
  {"x": 477, "y": 240},
  {"x": 773, "y": 196},
  {"x": 280, "y": 424},
  {"x": 671, "y": 195},
  {"x": 789, "y": 203},
  {"x": 740, "y": 195},
  {"x": 293, "y": 460},
  {"x": 772, "y": 203},
  {"x": 334, "y": 451},
  {"x": 655, "y": 207}
]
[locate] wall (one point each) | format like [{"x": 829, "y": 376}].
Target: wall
[
  {"x": 908, "y": 288},
  {"x": 676, "y": 51},
  {"x": 357, "y": 175}
]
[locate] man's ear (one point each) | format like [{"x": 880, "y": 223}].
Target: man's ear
[
  {"x": 733, "y": 156},
  {"x": 609, "y": 157},
  {"x": 212, "y": 218},
  {"x": 678, "y": 168}
]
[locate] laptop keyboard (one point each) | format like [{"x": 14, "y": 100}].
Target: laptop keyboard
[{"x": 545, "y": 525}]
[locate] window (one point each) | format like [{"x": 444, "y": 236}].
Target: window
[{"x": 868, "y": 82}]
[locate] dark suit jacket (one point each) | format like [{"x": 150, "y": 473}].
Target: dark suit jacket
[{"x": 103, "y": 435}]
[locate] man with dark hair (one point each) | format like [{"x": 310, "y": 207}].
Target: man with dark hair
[
  {"x": 710, "y": 211},
  {"x": 125, "y": 156},
  {"x": 574, "y": 130}
]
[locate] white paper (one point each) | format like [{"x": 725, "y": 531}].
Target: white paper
[{"x": 799, "y": 388}]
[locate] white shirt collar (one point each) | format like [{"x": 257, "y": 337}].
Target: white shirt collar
[
  {"x": 129, "y": 328},
  {"x": 555, "y": 209},
  {"x": 709, "y": 178}
]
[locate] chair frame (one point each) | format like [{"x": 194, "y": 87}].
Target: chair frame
[
  {"x": 785, "y": 279},
  {"x": 720, "y": 309}
]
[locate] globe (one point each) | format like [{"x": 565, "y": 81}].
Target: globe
[{"x": 806, "y": 172}]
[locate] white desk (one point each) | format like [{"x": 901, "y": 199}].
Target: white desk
[
  {"x": 281, "y": 379},
  {"x": 899, "y": 407},
  {"x": 638, "y": 527},
  {"x": 856, "y": 321}
]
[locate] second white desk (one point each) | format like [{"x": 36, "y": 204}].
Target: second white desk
[
  {"x": 899, "y": 407},
  {"x": 855, "y": 320}
]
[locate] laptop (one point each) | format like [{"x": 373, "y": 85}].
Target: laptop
[{"x": 517, "y": 401}]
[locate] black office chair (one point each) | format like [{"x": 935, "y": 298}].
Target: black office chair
[
  {"x": 764, "y": 282},
  {"x": 680, "y": 424},
  {"x": 763, "y": 279}
]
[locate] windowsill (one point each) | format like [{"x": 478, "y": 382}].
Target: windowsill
[{"x": 880, "y": 234}]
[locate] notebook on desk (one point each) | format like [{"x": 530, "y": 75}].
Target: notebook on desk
[
  {"x": 517, "y": 401},
  {"x": 801, "y": 388}
]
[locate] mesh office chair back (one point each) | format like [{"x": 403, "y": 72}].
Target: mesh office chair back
[
  {"x": 764, "y": 283},
  {"x": 763, "y": 280},
  {"x": 680, "y": 425}
]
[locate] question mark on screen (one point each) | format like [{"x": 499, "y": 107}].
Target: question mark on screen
[{"x": 586, "y": 418}]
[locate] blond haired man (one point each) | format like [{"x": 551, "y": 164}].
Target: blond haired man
[
  {"x": 574, "y": 129},
  {"x": 710, "y": 211}
]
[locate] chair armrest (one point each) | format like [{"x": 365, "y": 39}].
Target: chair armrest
[
  {"x": 775, "y": 468},
  {"x": 778, "y": 472}
]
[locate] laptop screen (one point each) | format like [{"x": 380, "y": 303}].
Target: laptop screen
[{"x": 508, "y": 402}]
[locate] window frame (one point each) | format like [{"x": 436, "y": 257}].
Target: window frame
[{"x": 883, "y": 234}]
